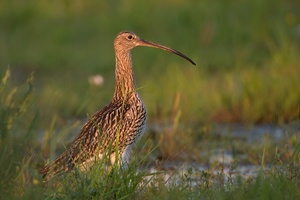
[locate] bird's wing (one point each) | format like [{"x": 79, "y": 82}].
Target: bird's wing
[{"x": 93, "y": 138}]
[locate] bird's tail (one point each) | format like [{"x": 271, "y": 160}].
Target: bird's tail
[
  {"x": 50, "y": 171},
  {"x": 62, "y": 164},
  {"x": 45, "y": 172}
]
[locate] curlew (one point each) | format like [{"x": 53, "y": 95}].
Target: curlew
[{"x": 119, "y": 124}]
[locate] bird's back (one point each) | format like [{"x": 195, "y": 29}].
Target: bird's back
[{"x": 117, "y": 126}]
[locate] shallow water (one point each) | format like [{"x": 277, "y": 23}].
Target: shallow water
[
  {"x": 255, "y": 133},
  {"x": 221, "y": 161},
  {"x": 198, "y": 175}
]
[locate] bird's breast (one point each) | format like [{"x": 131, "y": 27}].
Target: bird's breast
[{"x": 136, "y": 111}]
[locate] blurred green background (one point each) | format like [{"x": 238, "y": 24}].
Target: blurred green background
[{"x": 247, "y": 55}]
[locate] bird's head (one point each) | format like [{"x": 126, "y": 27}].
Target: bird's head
[{"x": 125, "y": 41}]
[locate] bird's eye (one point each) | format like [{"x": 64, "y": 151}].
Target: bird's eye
[{"x": 129, "y": 37}]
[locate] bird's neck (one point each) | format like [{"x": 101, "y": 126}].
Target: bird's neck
[{"x": 125, "y": 83}]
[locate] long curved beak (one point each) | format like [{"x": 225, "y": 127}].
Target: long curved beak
[{"x": 155, "y": 45}]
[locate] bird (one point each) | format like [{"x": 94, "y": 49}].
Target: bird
[{"x": 119, "y": 125}]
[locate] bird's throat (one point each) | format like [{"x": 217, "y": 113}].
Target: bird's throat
[{"x": 125, "y": 83}]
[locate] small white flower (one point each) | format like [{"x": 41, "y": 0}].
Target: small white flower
[{"x": 96, "y": 80}]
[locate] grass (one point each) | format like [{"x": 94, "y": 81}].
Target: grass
[{"x": 247, "y": 73}]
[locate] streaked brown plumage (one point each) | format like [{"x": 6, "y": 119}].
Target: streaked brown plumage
[{"x": 117, "y": 125}]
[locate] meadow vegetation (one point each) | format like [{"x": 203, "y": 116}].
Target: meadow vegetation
[{"x": 247, "y": 73}]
